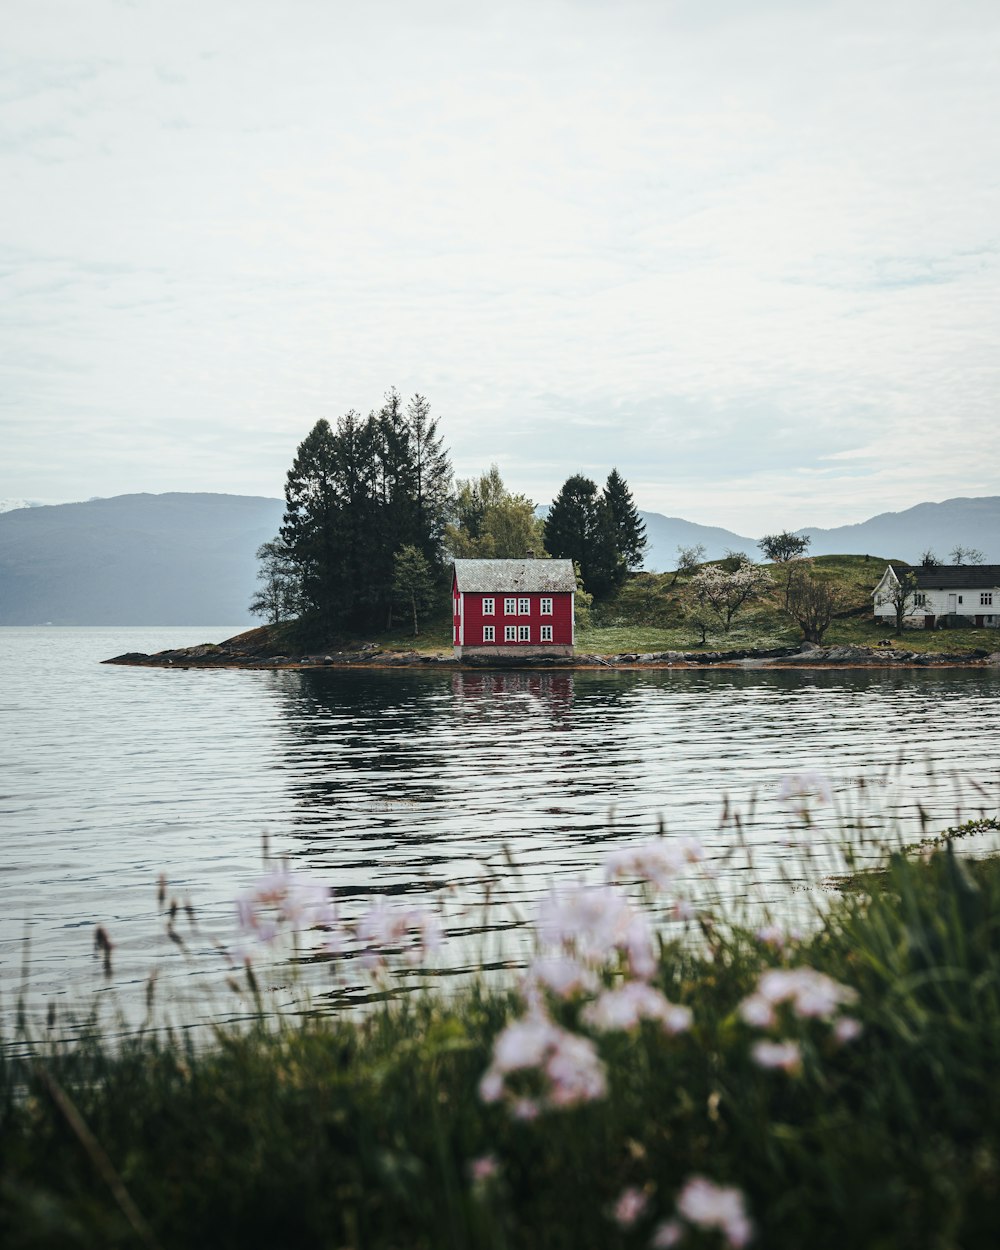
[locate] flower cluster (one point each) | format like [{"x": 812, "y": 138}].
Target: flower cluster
[
  {"x": 566, "y": 1067},
  {"x": 704, "y": 1205},
  {"x": 283, "y": 898},
  {"x": 389, "y": 927},
  {"x": 810, "y": 995},
  {"x": 592, "y": 923},
  {"x": 660, "y": 862},
  {"x": 622, "y": 1009}
]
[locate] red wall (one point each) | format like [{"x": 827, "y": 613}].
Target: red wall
[{"x": 561, "y": 619}]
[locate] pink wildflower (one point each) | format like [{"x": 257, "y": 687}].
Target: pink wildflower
[
  {"x": 563, "y": 975},
  {"x": 847, "y": 1029},
  {"x": 622, "y": 1010},
  {"x": 283, "y": 898},
  {"x": 659, "y": 862},
  {"x": 710, "y": 1206},
  {"x": 593, "y": 923},
  {"x": 631, "y": 1205},
  {"x": 485, "y": 1168},
  {"x": 668, "y": 1234},
  {"x": 784, "y": 1055},
  {"x": 392, "y": 926},
  {"x": 808, "y": 784},
  {"x": 568, "y": 1066},
  {"x": 812, "y": 994}
]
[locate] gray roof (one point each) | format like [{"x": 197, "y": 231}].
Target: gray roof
[
  {"x": 510, "y": 577},
  {"x": 959, "y": 577}
]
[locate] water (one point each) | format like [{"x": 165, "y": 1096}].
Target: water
[{"x": 417, "y": 782}]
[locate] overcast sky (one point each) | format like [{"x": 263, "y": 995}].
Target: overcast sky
[{"x": 746, "y": 251}]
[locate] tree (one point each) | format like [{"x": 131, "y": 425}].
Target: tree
[
  {"x": 901, "y": 594},
  {"x": 628, "y": 529},
  {"x": 580, "y": 527},
  {"x": 432, "y": 470},
  {"x": 929, "y": 560},
  {"x": 309, "y": 527},
  {"x": 780, "y": 548},
  {"x": 491, "y": 523},
  {"x": 967, "y": 555},
  {"x": 812, "y": 603},
  {"x": 277, "y": 597},
  {"x": 413, "y": 581},
  {"x": 725, "y": 593},
  {"x": 688, "y": 560}
]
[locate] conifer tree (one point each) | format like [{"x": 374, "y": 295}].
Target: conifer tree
[
  {"x": 629, "y": 529},
  {"x": 580, "y": 527}
]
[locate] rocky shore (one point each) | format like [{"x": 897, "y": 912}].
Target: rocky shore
[{"x": 253, "y": 650}]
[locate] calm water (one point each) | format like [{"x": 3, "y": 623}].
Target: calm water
[{"x": 414, "y": 781}]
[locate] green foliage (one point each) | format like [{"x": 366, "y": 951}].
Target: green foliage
[
  {"x": 628, "y": 529},
  {"x": 491, "y": 523},
  {"x": 581, "y": 527},
  {"x": 354, "y": 497},
  {"x": 340, "y": 1132},
  {"x": 277, "y": 597},
  {"x": 780, "y": 548},
  {"x": 413, "y": 582}
]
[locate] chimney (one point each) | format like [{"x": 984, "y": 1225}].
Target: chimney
[{"x": 531, "y": 554}]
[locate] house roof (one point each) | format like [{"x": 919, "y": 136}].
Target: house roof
[
  {"x": 514, "y": 576},
  {"x": 958, "y": 577}
]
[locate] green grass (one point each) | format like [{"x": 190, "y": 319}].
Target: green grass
[{"x": 332, "y": 1133}]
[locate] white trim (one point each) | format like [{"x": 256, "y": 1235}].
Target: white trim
[
  {"x": 543, "y": 609},
  {"x": 572, "y": 621},
  {"x": 491, "y": 610},
  {"x": 489, "y": 633},
  {"x": 524, "y": 633},
  {"x": 524, "y": 607},
  {"x": 461, "y": 618},
  {"x": 510, "y": 633},
  {"x": 510, "y": 605},
  {"x": 546, "y": 634}
]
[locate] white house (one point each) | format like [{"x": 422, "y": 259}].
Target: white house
[{"x": 941, "y": 594}]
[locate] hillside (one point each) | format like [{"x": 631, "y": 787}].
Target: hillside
[{"x": 173, "y": 559}]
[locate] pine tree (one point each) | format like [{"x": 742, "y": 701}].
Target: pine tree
[
  {"x": 580, "y": 527},
  {"x": 433, "y": 477},
  {"x": 629, "y": 529},
  {"x": 309, "y": 530}
]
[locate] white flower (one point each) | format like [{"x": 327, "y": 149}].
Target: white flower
[
  {"x": 283, "y": 898},
  {"x": 847, "y": 1029},
  {"x": 594, "y": 922},
  {"x": 622, "y": 1009},
  {"x": 485, "y": 1168},
  {"x": 392, "y": 926},
  {"x": 784, "y": 1055},
  {"x": 631, "y": 1204},
  {"x": 658, "y": 862},
  {"x": 669, "y": 1233},
  {"x": 711, "y": 1206},
  {"x": 569, "y": 1067},
  {"x": 562, "y": 975},
  {"x": 757, "y": 1012},
  {"x": 812, "y": 994},
  {"x": 808, "y": 784}
]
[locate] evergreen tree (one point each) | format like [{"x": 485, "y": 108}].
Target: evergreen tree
[
  {"x": 433, "y": 477},
  {"x": 580, "y": 527},
  {"x": 629, "y": 529},
  {"x": 309, "y": 530}
]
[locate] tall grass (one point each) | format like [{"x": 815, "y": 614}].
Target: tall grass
[{"x": 877, "y": 1123}]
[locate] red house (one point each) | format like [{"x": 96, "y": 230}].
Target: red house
[{"x": 513, "y": 607}]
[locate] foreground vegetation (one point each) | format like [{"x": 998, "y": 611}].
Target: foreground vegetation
[{"x": 837, "y": 1089}]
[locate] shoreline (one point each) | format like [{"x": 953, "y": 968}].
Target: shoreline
[{"x": 238, "y": 653}]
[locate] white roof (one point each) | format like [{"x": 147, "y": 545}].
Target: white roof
[{"x": 510, "y": 577}]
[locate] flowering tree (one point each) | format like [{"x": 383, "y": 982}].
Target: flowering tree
[{"x": 725, "y": 593}]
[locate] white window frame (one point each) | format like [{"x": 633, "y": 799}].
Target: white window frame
[
  {"x": 524, "y": 607},
  {"x": 986, "y": 599},
  {"x": 488, "y": 607},
  {"x": 920, "y": 600},
  {"x": 510, "y": 607},
  {"x": 546, "y": 607},
  {"x": 524, "y": 633},
  {"x": 546, "y": 633},
  {"x": 488, "y": 633},
  {"x": 510, "y": 633}
]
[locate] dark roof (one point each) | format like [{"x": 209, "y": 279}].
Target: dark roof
[
  {"x": 958, "y": 577},
  {"x": 514, "y": 576}
]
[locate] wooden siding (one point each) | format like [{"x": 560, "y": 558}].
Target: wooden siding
[{"x": 468, "y": 632}]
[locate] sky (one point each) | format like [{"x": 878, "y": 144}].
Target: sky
[{"x": 746, "y": 251}]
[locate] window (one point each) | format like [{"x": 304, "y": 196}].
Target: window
[
  {"x": 546, "y": 607},
  {"x": 488, "y": 607},
  {"x": 524, "y": 633},
  {"x": 919, "y": 600},
  {"x": 986, "y": 599},
  {"x": 488, "y": 633},
  {"x": 510, "y": 633},
  {"x": 510, "y": 607},
  {"x": 546, "y": 633},
  {"x": 960, "y": 599},
  {"x": 524, "y": 607}
]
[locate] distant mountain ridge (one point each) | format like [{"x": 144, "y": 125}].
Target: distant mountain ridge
[{"x": 190, "y": 559}]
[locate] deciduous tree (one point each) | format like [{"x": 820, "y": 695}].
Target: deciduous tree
[
  {"x": 726, "y": 593},
  {"x": 780, "y": 548},
  {"x": 413, "y": 582},
  {"x": 812, "y": 603}
]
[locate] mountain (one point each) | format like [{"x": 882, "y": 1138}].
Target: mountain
[
  {"x": 173, "y": 559},
  {"x": 938, "y": 527},
  {"x": 664, "y": 534},
  {"x": 10, "y": 505}
]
